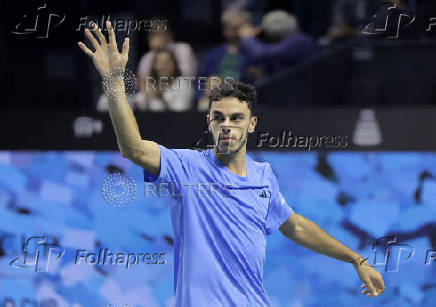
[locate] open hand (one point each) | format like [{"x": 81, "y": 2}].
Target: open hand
[{"x": 106, "y": 57}]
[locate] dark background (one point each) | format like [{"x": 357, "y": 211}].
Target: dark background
[
  {"x": 53, "y": 72},
  {"x": 47, "y": 83}
]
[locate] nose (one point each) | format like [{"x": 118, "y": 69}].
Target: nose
[
  {"x": 224, "y": 125},
  {"x": 225, "y": 130}
]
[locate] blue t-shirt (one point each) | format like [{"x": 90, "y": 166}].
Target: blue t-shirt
[{"x": 219, "y": 221}]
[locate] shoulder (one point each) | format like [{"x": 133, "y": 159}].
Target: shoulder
[
  {"x": 260, "y": 168},
  {"x": 181, "y": 47},
  {"x": 263, "y": 171},
  {"x": 144, "y": 63},
  {"x": 146, "y": 56},
  {"x": 181, "y": 152},
  {"x": 181, "y": 161}
]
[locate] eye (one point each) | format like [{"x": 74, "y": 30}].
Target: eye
[
  {"x": 218, "y": 117},
  {"x": 237, "y": 117}
]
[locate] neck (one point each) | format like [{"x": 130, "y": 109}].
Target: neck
[{"x": 235, "y": 162}]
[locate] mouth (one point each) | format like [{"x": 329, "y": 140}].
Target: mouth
[{"x": 226, "y": 138}]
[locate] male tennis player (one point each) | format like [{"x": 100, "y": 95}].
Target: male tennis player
[{"x": 220, "y": 239}]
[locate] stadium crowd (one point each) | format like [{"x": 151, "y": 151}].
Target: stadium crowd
[{"x": 173, "y": 76}]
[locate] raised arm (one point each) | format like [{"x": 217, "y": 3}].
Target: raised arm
[
  {"x": 310, "y": 235},
  {"x": 111, "y": 65}
]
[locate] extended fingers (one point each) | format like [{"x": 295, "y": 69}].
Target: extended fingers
[
  {"x": 126, "y": 47},
  {"x": 112, "y": 39},
  {"x": 100, "y": 35},
  {"x": 92, "y": 39},
  {"x": 85, "y": 49}
]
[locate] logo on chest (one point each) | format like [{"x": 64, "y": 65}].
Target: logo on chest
[{"x": 265, "y": 194}]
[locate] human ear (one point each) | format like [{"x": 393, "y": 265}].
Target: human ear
[{"x": 253, "y": 123}]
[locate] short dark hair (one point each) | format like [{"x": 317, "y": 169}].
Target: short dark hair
[{"x": 233, "y": 88}]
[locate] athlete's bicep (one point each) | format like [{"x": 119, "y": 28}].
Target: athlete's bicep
[
  {"x": 148, "y": 157},
  {"x": 291, "y": 225}
]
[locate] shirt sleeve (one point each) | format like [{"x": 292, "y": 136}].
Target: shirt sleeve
[
  {"x": 174, "y": 166},
  {"x": 278, "y": 210}
]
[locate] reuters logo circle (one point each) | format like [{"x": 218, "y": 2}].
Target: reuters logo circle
[{"x": 119, "y": 190}]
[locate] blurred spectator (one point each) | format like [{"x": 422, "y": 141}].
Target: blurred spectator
[
  {"x": 183, "y": 53},
  {"x": 165, "y": 89},
  {"x": 233, "y": 5},
  {"x": 283, "y": 46},
  {"x": 227, "y": 60}
]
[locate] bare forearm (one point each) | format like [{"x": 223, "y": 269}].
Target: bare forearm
[
  {"x": 310, "y": 235},
  {"x": 111, "y": 65},
  {"x": 122, "y": 117}
]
